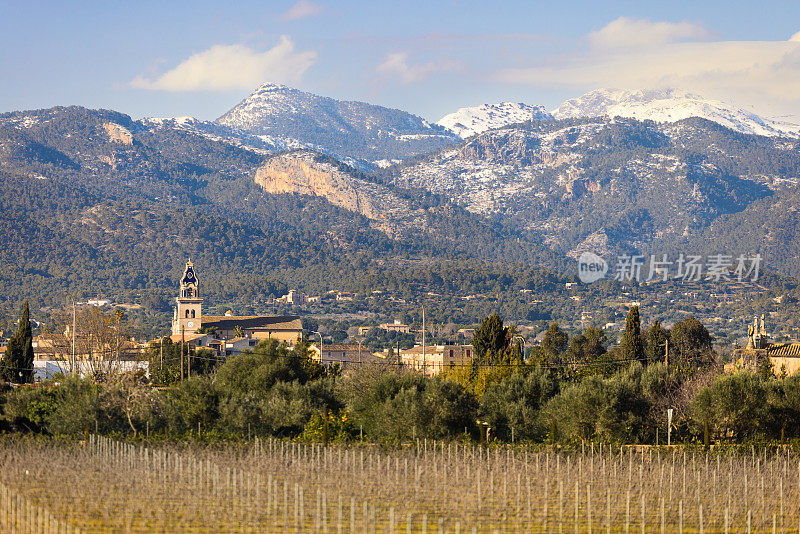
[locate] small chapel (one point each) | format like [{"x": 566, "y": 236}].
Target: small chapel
[
  {"x": 784, "y": 357},
  {"x": 188, "y": 321}
]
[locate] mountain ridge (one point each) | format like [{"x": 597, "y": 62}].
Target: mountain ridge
[
  {"x": 346, "y": 128},
  {"x": 563, "y": 180},
  {"x": 671, "y": 105},
  {"x": 642, "y": 184},
  {"x": 469, "y": 121},
  {"x": 93, "y": 201}
]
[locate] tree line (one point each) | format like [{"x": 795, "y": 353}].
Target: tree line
[{"x": 281, "y": 391}]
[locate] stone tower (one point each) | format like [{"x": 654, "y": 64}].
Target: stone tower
[
  {"x": 757, "y": 335},
  {"x": 188, "y": 308}
]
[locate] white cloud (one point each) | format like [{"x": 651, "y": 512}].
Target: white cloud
[
  {"x": 397, "y": 64},
  {"x": 754, "y": 74},
  {"x": 238, "y": 66},
  {"x": 301, "y": 10},
  {"x": 626, "y": 32}
]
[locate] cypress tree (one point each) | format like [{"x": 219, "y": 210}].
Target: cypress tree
[
  {"x": 17, "y": 364},
  {"x": 631, "y": 348},
  {"x": 490, "y": 339},
  {"x": 657, "y": 338},
  {"x": 555, "y": 341}
]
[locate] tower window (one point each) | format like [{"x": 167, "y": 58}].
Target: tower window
[
  {"x": 187, "y": 314},
  {"x": 192, "y": 314}
]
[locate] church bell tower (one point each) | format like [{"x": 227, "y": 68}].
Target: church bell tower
[{"x": 188, "y": 309}]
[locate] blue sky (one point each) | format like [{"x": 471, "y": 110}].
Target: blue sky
[{"x": 200, "y": 58}]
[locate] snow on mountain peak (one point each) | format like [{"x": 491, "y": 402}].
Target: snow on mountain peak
[
  {"x": 346, "y": 128},
  {"x": 671, "y": 105},
  {"x": 269, "y": 86},
  {"x": 470, "y": 121}
]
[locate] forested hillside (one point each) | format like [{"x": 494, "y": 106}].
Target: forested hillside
[
  {"x": 622, "y": 185},
  {"x": 93, "y": 203}
]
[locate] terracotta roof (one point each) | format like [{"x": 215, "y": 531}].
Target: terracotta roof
[
  {"x": 176, "y": 338},
  {"x": 347, "y": 348},
  {"x": 431, "y": 349},
  {"x": 266, "y": 322},
  {"x": 784, "y": 349}
]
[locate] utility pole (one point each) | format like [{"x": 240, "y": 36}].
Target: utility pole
[
  {"x": 183, "y": 337},
  {"x": 117, "y": 316},
  {"x": 666, "y": 352},
  {"x": 669, "y": 426},
  {"x": 321, "y": 361},
  {"x": 424, "y": 363},
  {"x": 73, "y": 336}
]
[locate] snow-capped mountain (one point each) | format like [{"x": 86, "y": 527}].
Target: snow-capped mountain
[
  {"x": 642, "y": 183},
  {"x": 354, "y": 129},
  {"x": 467, "y": 122},
  {"x": 262, "y": 144},
  {"x": 216, "y": 132},
  {"x": 671, "y": 105}
]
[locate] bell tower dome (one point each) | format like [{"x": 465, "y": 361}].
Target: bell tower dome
[{"x": 187, "y": 318}]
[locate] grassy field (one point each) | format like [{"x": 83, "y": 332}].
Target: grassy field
[{"x": 278, "y": 486}]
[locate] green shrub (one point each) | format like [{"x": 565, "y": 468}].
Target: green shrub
[
  {"x": 399, "y": 406},
  {"x": 735, "y": 405},
  {"x": 516, "y": 402}
]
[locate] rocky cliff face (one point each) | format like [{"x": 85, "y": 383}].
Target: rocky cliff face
[
  {"x": 308, "y": 173},
  {"x": 118, "y": 133}
]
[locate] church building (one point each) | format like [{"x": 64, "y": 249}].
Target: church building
[
  {"x": 784, "y": 357},
  {"x": 188, "y": 319}
]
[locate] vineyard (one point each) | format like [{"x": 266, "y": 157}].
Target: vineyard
[{"x": 103, "y": 485}]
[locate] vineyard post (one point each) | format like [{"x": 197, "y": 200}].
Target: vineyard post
[
  {"x": 669, "y": 426},
  {"x": 701, "y": 519},
  {"x": 628, "y": 511},
  {"x": 589, "y": 507},
  {"x": 726, "y": 520},
  {"x": 643, "y": 517}
]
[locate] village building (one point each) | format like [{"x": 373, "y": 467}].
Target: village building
[
  {"x": 87, "y": 347},
  {"x": 346, "y": 356},
  {"x": 188, "y": 321},
  {"x": 784, "y": 357},
  {"x": 434, "y": 359},
  {"x": 396, "y": 326},
  {"x": 293, "y": 297}
]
